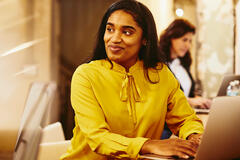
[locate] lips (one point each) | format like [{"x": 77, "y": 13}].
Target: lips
[{"x": 115, "y": 48}]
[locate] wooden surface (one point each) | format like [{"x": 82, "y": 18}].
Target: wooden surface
[{"x": 204, "y": 118}]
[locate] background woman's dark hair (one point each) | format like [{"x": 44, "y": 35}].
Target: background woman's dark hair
[
  {"x": 176, "y": 29},
  {"x": 143, "y": 17}
]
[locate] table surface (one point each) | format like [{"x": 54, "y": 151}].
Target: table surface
[{"x": 204, "y": 118}]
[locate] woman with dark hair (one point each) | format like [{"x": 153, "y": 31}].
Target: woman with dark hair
[
  {"x": 123, "y": 97},
  {"x": 175, "y": 42}
]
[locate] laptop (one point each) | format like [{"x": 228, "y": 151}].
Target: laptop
[
  {"x": 222, "y": 90},
  {"x": 225, "y": 82},
  {"x": 221, "y": 138}
]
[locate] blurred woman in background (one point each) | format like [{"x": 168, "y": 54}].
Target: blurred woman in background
[{"x": 175, "y": 42}]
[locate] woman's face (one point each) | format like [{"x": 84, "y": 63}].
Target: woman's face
[
  {"x": 180, "y": 46},
  {"x": 122, "y": 38}
]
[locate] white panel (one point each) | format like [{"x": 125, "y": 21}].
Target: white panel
[
  {"x": 215, "y": 39},
  {"x": 237, "y": 49}
]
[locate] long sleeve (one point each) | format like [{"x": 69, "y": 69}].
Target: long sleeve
[
  {"x": 92, "y": 122},
  {"x": 181, "y": 118}
]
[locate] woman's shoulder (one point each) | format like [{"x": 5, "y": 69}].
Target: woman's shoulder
[
  {"x": 162, "y": 67},
  {"x": 90, "y": 66},
  {"x": 164, "y": 70},
  {"x": 88, "y": 71}
]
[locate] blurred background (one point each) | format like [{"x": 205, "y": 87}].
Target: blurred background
[{"x": 46, "y": 40}]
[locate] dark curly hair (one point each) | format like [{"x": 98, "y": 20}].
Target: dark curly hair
[
  {"x": 143, "y": 17},
  {"x": 176, "y": 29}
]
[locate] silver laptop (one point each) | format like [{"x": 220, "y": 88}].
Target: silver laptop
[
  {"x": 221, "y": 138},
  {"x": 221, "y": 91},
  {"x": 225, "y": 82}
]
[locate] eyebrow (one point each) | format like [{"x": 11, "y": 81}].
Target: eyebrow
[{"x": 125, "y": 27}]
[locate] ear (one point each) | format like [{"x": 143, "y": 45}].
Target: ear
[{"x": 144, "y": 42}]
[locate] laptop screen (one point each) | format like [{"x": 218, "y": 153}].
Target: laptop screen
[
  {"x": 221, "y": 138},
  {"x": 225, "y": 82}
]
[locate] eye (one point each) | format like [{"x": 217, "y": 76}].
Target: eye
[
  {"x": 127, "y": 32},
  {"x": 185, "y": 39},
  {"x": 109, "y": 29}
]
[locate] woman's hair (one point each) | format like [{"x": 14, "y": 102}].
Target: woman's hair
[
  {"x": 176, "y": 29},
  {"x": 148, "y": 53}
]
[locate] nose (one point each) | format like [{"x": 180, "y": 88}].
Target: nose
[{"x": 116, "y": 37}]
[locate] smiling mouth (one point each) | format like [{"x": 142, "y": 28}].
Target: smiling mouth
[{"x": 115, "y": 48}]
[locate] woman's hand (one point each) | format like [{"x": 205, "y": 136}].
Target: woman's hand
[
  {"x": 196, "y": 138},
  {"x": 200, "y": 102},
  {"x": 171, "y": 147}
]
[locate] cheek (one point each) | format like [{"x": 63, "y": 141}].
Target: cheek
[
  {"x": 174, "y": 46},
  {"x": 133, "y": 42},
  {"x": 178, "y": 45},
  {"x": 105, "y": 38}
]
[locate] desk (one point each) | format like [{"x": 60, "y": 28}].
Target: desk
[{"x": 204, "y": 118}]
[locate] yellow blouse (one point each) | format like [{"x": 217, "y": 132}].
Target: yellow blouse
[{"x": 116, "y": 111}]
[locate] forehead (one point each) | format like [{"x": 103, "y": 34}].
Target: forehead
[
  {"x": 188, "y": 35},
  {"x": 122, "y": 18}
]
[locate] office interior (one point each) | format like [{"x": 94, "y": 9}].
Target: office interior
[{"x": 42, "y": 43}]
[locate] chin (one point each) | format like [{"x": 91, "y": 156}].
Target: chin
[
  {"x": 182, "y": 55},
  {"x": 113, "y": 58}
]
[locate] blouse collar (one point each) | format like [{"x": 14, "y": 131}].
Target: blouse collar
[{"x": 117, "y": 67}]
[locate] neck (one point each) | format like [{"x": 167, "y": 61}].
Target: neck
[{"x": 128, "y": 65}]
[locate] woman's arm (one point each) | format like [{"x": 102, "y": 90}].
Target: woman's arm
[
  {"x": 182, "y": 121},
  {"x": 181, "y": 118},
  {"x": 199, "y": 102}
]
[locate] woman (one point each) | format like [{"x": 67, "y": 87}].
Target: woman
[
  {"x": 175, "y": 43},
  {"x": 123, "y": 97}
]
